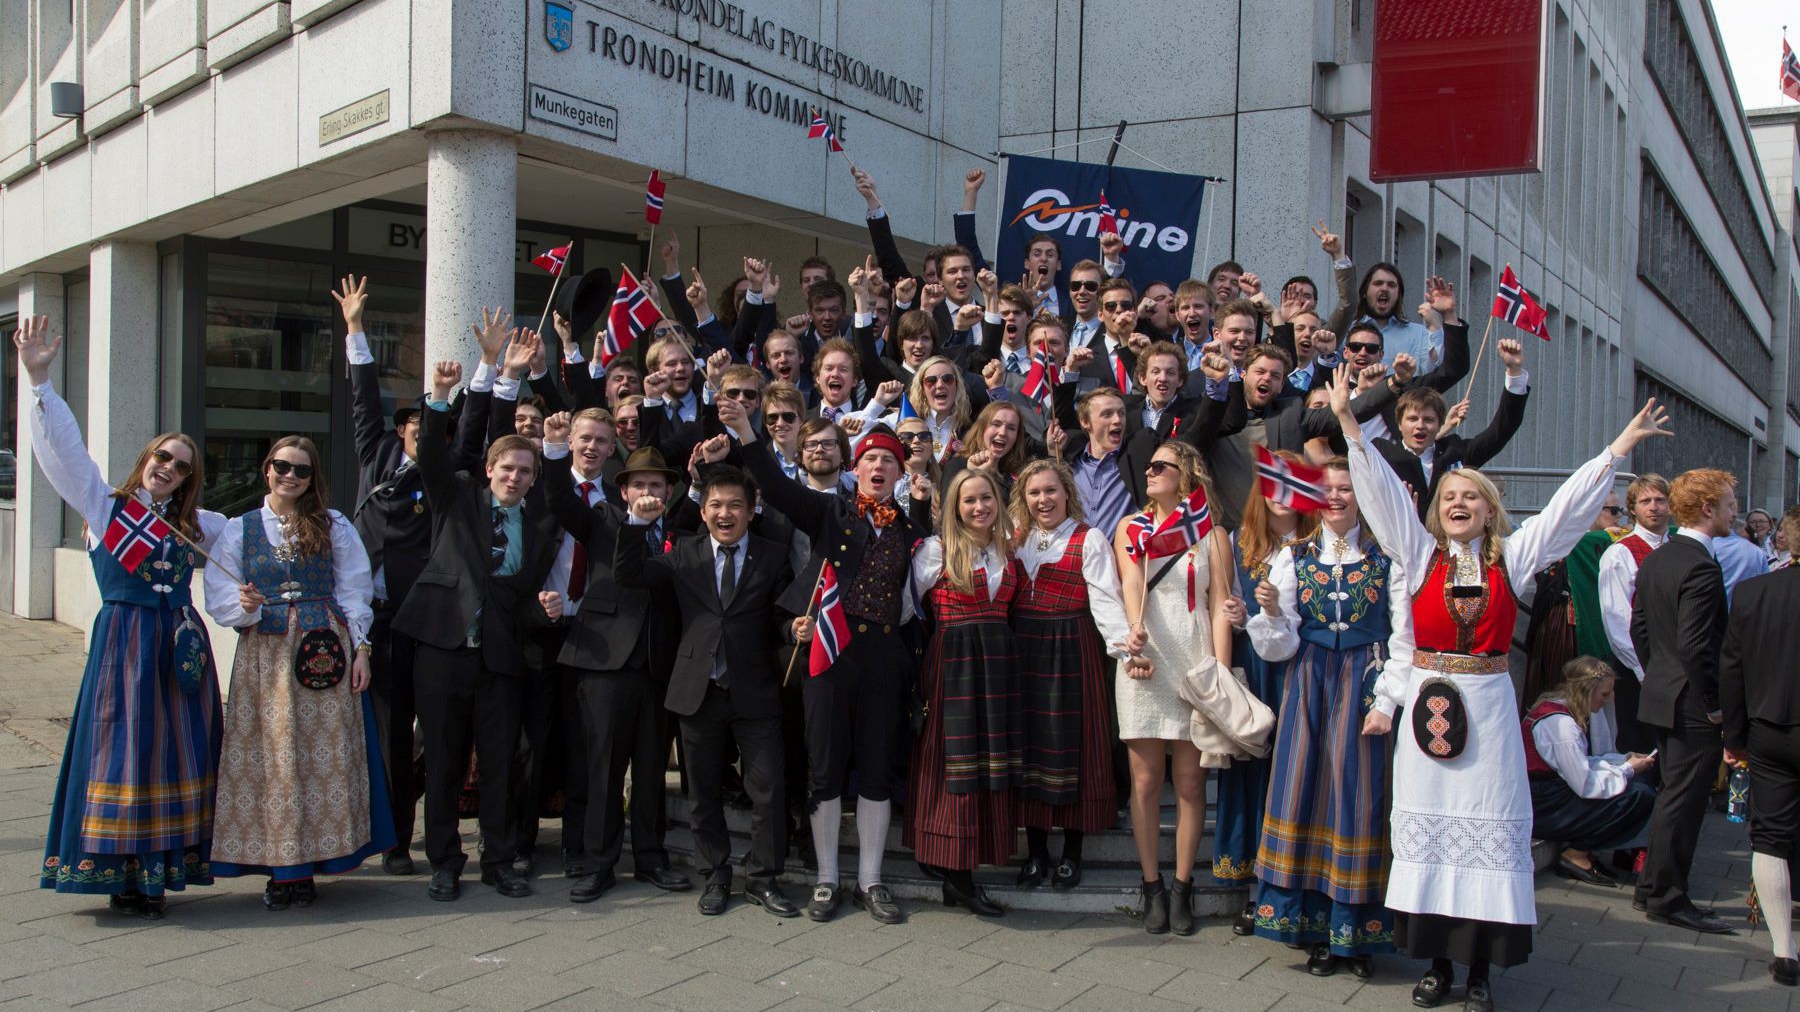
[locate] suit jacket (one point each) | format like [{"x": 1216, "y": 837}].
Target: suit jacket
[
  {"x": 1454, "y": 451},
  {"x": 1100, "y": 370},
  {"x": 742, "y": 623},
  {"x": 455, "y": 584},
  {"x": 1677, "y": 626},
  {"x": 1756, "y": 662}
]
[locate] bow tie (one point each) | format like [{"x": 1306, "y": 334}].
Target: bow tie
[{"x": 880, "y": 512}]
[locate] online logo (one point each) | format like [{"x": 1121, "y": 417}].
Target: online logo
[
  {"x": 1050, "y": 210},
  {"x": 559, "y": 25}
]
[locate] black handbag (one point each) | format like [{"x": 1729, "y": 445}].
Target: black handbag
[
  {"x": 1440, "y": 721},
  {"x": 320, "y": 662}
]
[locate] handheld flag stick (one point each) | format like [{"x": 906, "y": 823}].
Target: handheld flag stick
[
  {"x": 649, "y": 290},
  {"x": 555, "y": 279},
  {"x": 1476, "y": 369},
  {"x": 812, "y": 607},
  {"x": 650, "y": 251},
  {"x": 191, "y": 543}
]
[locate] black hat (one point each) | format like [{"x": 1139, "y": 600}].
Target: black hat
[
  {"x": 650, "y": 460},
  {"x": 584, "y": 299}
]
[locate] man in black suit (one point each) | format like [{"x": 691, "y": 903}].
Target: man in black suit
[
  {"x": 1677, "y": 624},
  {"x": 1762, "y": 727},
  {"x": 1114, "y": 363},
  {"x": 469, "y": 610},
  {"x": 1421, "y": 458},
  {"x": 724, "y": 687}
]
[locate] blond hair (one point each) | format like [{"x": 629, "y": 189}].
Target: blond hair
[
  {"x": 1499, "y": 525},
  {"x": 1021, "y": 516},
  {"x": 1580, "y": 677},
  {"x": 960, "y": 549}
]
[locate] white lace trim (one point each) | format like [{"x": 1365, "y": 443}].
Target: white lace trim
[{"x": 1461, "y": 841}]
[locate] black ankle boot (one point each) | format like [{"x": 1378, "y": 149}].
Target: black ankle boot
[
  {"x": 1181, "y": 907},
  {"x": 1156, "y": 906}
]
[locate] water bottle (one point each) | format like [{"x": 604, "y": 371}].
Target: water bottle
[{"x": 1737, "y": 795}]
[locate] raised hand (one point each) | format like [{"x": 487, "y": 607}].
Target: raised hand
[
  {"x": 993, "y": 374},
  {"x": 1512, "y": 353},
  {"x": 1111, "y": 246},
  {"x": 968, "y": 317},
  {"x": 1404, "y": 368},
  {"x": 1441, "y": 295},
  {"x": 539, "y": 367},
  {"x": 904, "y": 290},
  {"x": 1250, "y": 286},
  {"x": 671, "y": 254},
  {"x": 1454, "y": 417},
  {"x": 711, "y": 451},
  {"x": 934, "y": 296},
  {"x": 972, "y": 181},
  {"x": 352, "y": 296},
  {"x": 1138, "y": 342},
  {"x": 852, "y": 425},
  {"x": 980, "y": 458},
  {"x": 989, "y": 283},
  {"x": 755, "y": 271},
  {"x": 445, "y": 376},
  {"x": 731, "y": 415},
  {"x": 520, "y": 352},
  {"x": 1054, "y": 438},
  {"x": 696, "y": 294},
  {"x": 1329, "y": 241},
  {"x": 1370, "y": 375},
  {"x": 564, "y": 332},
  {"x": 1078, "y": 359},
  {"x": 1340, "y": 393},
  {"x": 889, "y": 391},
  {"x": 865, "y": 185},
  {"x": 492, "y": 332},
  {"x": 37, "y": 349},
  {"x": 796, "y": 325},
  {"x": 646, "y": 507},
  {"x": 656, "y": 385},
  {"x": 1214, "y": 365},
  {"x": 556, "y": 427},
  {"x": 716, "y": 364},
  {"x": 1651, "y": 420},
  {"x": 922, "y": 489},
  {"x": 771, "y": 287}
]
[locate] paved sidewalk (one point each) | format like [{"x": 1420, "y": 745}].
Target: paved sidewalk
[{"x": 375, "y": 942}]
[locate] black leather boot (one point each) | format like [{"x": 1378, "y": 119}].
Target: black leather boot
[{"x": 1156, "y": 907}]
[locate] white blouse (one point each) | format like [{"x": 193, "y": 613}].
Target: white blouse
[
  {"x": 57, "y": 447},
  {"x": 1098, "y": 568},
  {"x": 1277, "y": 637},
  {"x": 928, "y": 565},
  {"x": 1561, "y": 744},
  {"x": 355, "y": 587}
]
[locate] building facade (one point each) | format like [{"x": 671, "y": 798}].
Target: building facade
[{"x": 226, "y": 161}]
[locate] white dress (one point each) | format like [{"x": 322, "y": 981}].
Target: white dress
[{"x": 1152, "y": 707}]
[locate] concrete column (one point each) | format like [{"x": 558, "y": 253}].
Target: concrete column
[
  {"x": 37, "y": 510},
  {"x": 124, "y": 381},
  {"x": 470, "y": 230}
]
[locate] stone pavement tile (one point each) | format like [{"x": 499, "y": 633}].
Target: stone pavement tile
[
  {"x": 1757, "y": 992},
  {"x": 1023, "y": 985},
  {"x": 169, "y": 941},
  {"x": 1519, "y": 995},
  {"x": 351, "y": 948},
  {"x": 10, "y": 932},
  {"x": 829, "y": 981},
  {"x": 279, "y": 929},
  {"x": 1108, "y": 931},
  {"x": 386, "y": 997},
  {"x": 853, "y": 945},
  {"x": 1558, "y": 949},
  {"x": 1624, "y": 960},
  {"x": 1626, "y": 921},
  {"x": 932, "y": 964},
  {"x": 632, "y": 974},
  {"x": 914, "y": 996},
  {"x": 1593, "y": 982},
  {"x": 41, "y": 903},
  {"x": 799, "y": 1003},
  {"x": 217, "y": 967},
  {"x": 92, "y": 979},
  {"x": 1290, "y": 975},
  {"x": 1111, "y": 999},
  {"x": 552, "y": 952},
  {"x": 1039, "y": 949},
  {"x": 1391, "y": 987},
  {"x": 589, "y": 920},
  {"x": 1725, "y": 962},
  {"x": 509, "y": 989},
  {"x": 477, "y": 934},
  {"x": 1232, "y": 958},
  {"x": 1224, "y": 994},
  {"x": 1123, "y": 970},
  {"x": 1300, "y": 1003},
  {"x": 1634, "y": 994},
  {"x": 40, "y": 952},
  {"x": 166, "y": 994},
  {"x": 951, "y": 929},
  {"x": 592, "y": 999},
  {"x": 719, "y": 993},
  {"x": 32, "y": 1003},
  {"x": 295, "y": 987},
  {"x": 405, "y": 914},
  {"x": 433, "y": 967},
  {"x": 743, "y": 958},
  {"x": 660, "y": 938}
]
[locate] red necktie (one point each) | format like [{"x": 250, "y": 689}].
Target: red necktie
[
  {"x": 1119, "y": 372},
  {"x": 578, "y": 561}
]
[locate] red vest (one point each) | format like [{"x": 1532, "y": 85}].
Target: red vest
[
  {"x": 1639, "y": 549},
  {"x": 1535, "y": 766},
  {"x": 1464, "y": 625}
]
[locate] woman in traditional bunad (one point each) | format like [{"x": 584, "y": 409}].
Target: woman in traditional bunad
[
  {"x": 1461, "y": 882},
  {"x": 1243, "y": 787},
  {"x": 301, "y": 786},
  {"x": 1067, "y": 619},
  {"x": 1334, "y": 599},
  {"x": 1176, "y": 605},
  {"x": 133, "y": 812},
  {"x": 965, "y": 762}
]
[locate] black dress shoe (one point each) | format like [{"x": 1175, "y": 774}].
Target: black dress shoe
[
  {"x": 1566, "y": 868},
  {"x": 152, "y": 910},
  {"x": 1067, "y": 874},
  {"x": 824, "y": 904},
  {"x": 126, "y": 903},
  {"x": 521, "y": 864},
  {"x": 1786, "y": 972},
  {"x": 1480, "y": 997},
  {"x": 1321, "y": 963},
  {"x": 305, "y": 893},
  {"x": 1430, "y": 990},
  {"x": 1694, "y": 920},
  {"x": 506, "y": 881},
  {"x": 1031, "y": 873},
  {"x": 277, "y": 896},
  {"x": 770, "y": 897},
  {"x": 1638, "y": 904},
  {"x": 1181, "y": 907},
  {"x": 444, "y": 886},
  {"x": 975, "y": 900},
  {"x": 1244, "y": 925},
  {"x": 931, "y": 871},
  {"x": 714, "y": 898},
  {"x": 879, "y": 902},
  {"x": 397, "y": 862},
  {"x": 589, "y": 888},
  {"x": 1361, "y": 967},
  {"x": 665, "y": 878}
]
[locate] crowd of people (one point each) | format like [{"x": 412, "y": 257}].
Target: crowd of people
[{"x": 980, "y": 556}]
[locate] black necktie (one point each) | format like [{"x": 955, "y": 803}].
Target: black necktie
[
  {"x": 497, "y": 554},
  {"x": 728, "y": 579}
]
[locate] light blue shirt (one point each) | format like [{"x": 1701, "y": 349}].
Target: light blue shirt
[
  {"x": 1405, "y": 337},
  {"x": 1740, "y": 559}
]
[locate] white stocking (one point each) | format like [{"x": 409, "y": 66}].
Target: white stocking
[
  {"x": 827, "y": 819},
  {"x": 1775, "y": 893},
  {"x": 872, "y": 818}
]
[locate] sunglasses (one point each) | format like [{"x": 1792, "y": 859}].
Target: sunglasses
[
  {"x": 941, "y": 378},
  {"x": 1614, "y": 510},
  {"x": 1156, "y": 467},
  {"x": 1361, "y": 347},
  {"x": 741, "y": 393},
  {"x": 282, "y": 469},
  {"x": 914, "y": 437},
  {"x": 625, "y": 421},
  {"x": 660, "y": 332},
  {"x": 1084, "y": 286},
  {"x": 780, "y": 417},
  {"x": 182, "y": 467},
  {"x": 1113, "y": 307}
]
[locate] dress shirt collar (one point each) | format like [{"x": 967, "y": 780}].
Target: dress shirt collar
[
  {"x": 1696, "y": 537},
  {"x": 1650, "y": 537}
]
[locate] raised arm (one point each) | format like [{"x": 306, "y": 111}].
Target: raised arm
[
  {"x": 1386, "y": 507},
  {"x": 881, "y": 231},
  {"x": 963, "y": 223},
  {"x": 804, "y": 508},
  {"x": 55, "y": 437},
  {"x": 436, "y": 468},
  {"x": 1509, "y": 414},
  {"x": 366, "y": 420},
  {"x": 633, "y": 565}
]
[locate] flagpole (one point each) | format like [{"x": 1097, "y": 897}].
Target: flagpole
[
  {"x": 651, "y": 252},
  {"x": 811, "y": 608},
  {"x": 191, "y": 543},
  {"x": 554, "y": 281},
  {"x": 1489, "y": 329}
]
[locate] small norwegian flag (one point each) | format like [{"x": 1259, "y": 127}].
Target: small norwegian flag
[
  {"x": 1293, "y": 485},
  {"x": 653, "y": 197},
  {"x": 1516, "y": 306},
  {"x": 134, "y": 533},
  {"x": 1790, "y": 72},
  {"x": 1186, "y": 527},
  {"x": 1041, "y": 379},
  {"x": 552, "y": 260},
  {"x": 821, "y": 127},
  {"x": 831, "y": 628},
  {"x": 632, "y": 314},
  {"x": 1109, "y": 221}
]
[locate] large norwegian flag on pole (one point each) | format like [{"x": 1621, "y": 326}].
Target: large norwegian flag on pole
[
  {"x": 632, "y": 314},
  {"x": 831, "y": 627},
  {"x": 134, "y": 533},
  {"x": 653, "y": 197},
  {"x": 1790, "y": 72},
  {"x": 1516, "y": 306},
  {"x": 1042, "y": 379},
  {"x": 1295, "y": 486}
]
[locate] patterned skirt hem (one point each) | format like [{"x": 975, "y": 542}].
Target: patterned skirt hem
[{"x": 152, "y": 873}]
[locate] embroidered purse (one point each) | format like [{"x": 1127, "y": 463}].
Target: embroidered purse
[
  {"x": 190, "y": 655},
  {"x": 1440, "y": 721},
  {"x": 320, "y": 662}
]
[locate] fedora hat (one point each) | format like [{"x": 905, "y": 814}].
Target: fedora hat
[
  {"x": 584, "y": 299},
  {"x": 649, "y": 460}
]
